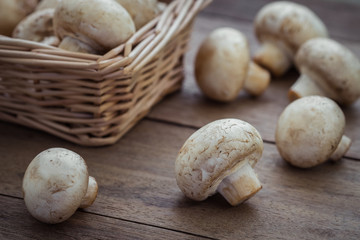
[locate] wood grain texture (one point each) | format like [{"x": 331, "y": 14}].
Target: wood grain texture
[
  {"x": 340, "y": 17},
  {"x": 137, "y": 184},
  {"x": 16, "y": 223},
  {"x": 138, "y": 195},
  {"x": 190, "y": 107}
]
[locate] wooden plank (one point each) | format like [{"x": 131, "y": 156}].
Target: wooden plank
[
  {"x": 16, "y": 223},
  {"x": 190, "y": 107},
  {"x": 340, "y": 17},
  {"x": 137, "y": 183}
]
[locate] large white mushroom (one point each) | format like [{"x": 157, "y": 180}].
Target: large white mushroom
[
  {"x": 220, "y": 157},
  {"x": 56, "y": 183},
  {"x": 282, "y": 27},
  {"x": 93, "y": 26},
  {"x": 310, "y": 131}
]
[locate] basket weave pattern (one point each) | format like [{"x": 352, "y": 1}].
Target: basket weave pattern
[{"x": 93, "y": 100}]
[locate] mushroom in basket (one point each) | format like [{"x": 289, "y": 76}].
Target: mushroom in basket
[
  {"x": 38, "y": 27},
  {"x": 92, "y": 26},
  {"x": 220, "y": 157},
  {"x": 12, "y": 12}
]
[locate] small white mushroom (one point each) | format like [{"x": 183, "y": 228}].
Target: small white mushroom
[
  {"x": 56, "y": 183},
  {"x": 93, "y": 26},
  {"x": 310, "y": 131},
  {"x": 38, "y": 27},
  {"x": 47, "y": 4},
  {"x": 141, "y": 11},
  {"x": 220, "y": 157},
  {"x": 327, "y": 69},
  {"x": 12, "y": 12},
  {"x": 282, "y": 27},
  {"x": 223, "y": 66}
]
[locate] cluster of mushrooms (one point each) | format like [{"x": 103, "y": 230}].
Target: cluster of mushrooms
[
  {"x": 89, "y": 26},
  {"x": 220, "y": 156}
]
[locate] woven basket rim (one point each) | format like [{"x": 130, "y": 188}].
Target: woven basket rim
[{"x": 130, "y": 56}]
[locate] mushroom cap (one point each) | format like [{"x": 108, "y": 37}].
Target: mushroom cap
[
  {"x": 222, "y": 64},
  {"x": 101, "y": 24},
  {"x": 12, "y": 12},
  {"x": 288, "y": 25},
  {"x": 43, "y": 4},
  {"x": 141, "y": 11},
  {"x": 214, "y": 152},
  {"x": 333, "y": 67},
  {"x": 38, "y": 26},
  {"x": 309, "y": 130},
  {"x": 54, "y": 184}
]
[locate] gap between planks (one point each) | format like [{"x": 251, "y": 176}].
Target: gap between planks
[
  {"x": 123, "y": 219},
  {"x": 168, "y": 122}
]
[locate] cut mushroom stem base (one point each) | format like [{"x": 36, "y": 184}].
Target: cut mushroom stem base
[
  {"x": 273, "y": 58},
  {"x": 240, "y": 185},
  {"x": 303, "y": 87},
  {"x": 257, "y": 79},
  {"x": 341, "y": 149},
  {"x": 91, "y": 193}
]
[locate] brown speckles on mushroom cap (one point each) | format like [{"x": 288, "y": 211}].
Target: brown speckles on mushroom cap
[
  {"x": 288, "y": 25},
  {"x": 333, "y": 67},
  {"x": 54, "y": 184},
  {"x": 214, "y": 152},
  {"x": 309, "y": 130}
]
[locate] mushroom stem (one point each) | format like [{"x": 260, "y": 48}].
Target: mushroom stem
[
  {"x": 273, "y": 58},
  {"x": 240, "y": 185},
  {"x": 74, "y": 45},
  {"x": 257, "y": 80},
  {"x": 91, "y": 193},
  {"x": 303, "y": 87},
  {"x": 341, "y": 149}
]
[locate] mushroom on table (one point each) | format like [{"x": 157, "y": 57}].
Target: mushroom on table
[
  {"x": 282, "y": 27},
  {"x": 220, "y": 157},
  {"x": 328, "y": 69},
  {"x": 310, "y": 131},
  {"x": 223, "y": 66},
  {"x": 56, "y": 183}
]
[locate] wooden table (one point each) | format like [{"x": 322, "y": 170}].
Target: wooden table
[{"x": 138, "y": 196}]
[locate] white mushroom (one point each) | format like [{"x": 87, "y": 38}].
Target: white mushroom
[
  {"x": 141, "y": 11},
  {"x": 220, "y": 157},
  {"x": 282, "y": 27},
  {"x": 38, "y": 27},
  {"x": 310, "y": 131},
  {"x": 223, "y": 66},
  {"x": 327, "y": 69},
  {"x": 56, "y": 183},
  {"x": 12, "y": 12},
  {"x": 47, "y": 4},
  {"x": 93, "y": 26}
]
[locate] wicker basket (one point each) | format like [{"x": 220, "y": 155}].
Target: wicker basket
[{"x": 89, "y": 99}]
